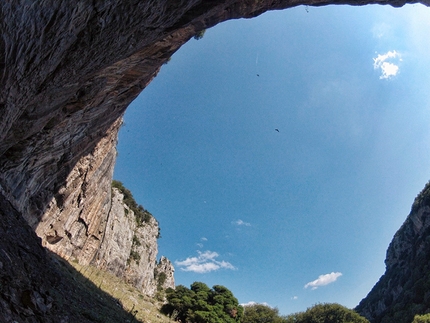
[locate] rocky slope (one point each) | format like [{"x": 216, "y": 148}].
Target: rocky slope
[
  {"x": 404, "y": 289},
  {"x": 36, "y": 286},
  {"x": 68, "y": 70}
]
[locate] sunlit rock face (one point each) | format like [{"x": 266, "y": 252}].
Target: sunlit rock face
[
  {"x": 74, "y": 222},
  {"x": 404, "y": 289},
  {"x": 129, "y": 250},
  {"x": 68, "y": 70}
]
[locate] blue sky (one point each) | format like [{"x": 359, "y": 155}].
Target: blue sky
[{"x": 304, "y": 214}]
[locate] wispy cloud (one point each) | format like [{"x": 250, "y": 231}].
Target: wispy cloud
[
  {"x": 323, "y": 280},
  {"x": 240, "y": 222},
  {"x": 200, "y": 244},
  {"x": 295, "y": 298},
  {"x": 205, "y": 262},
  {"x": 388, "y": 63},
  {"x": 380, "y": 30}
]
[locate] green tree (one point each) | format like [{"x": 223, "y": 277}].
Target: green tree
[
  {"x": 326, "y": 313},
  {"x": 259, "y": 313},
  {"x": 421, "y": 318},
  {"x": 200, "y": 304}
]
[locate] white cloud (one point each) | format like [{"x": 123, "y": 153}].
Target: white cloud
[
  {"x": 250, "y": 303},
  {"x": 205, "y": 262},
  {"x": 200, "y": 245},
  {"x": 204, "y": 239},
  {"x": 323, "y": 280},
  {"x": 294, "y": 298},
  {"x": 240, "y": 222},
  {"x": 388, "y": 68}
]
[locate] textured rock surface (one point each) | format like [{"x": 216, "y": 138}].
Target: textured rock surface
[
  {"x": 404, "y": 289},
  {"x": 68, "y": 70},
  {"x": 166, "y": 267},
  {"x": 74, "y": 222},
  {"x": 130, "y": 251}
]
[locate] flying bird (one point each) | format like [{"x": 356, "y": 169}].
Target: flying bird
[
  {"x": 258, "y": 74},
  {"x": 277, "y": 129}
]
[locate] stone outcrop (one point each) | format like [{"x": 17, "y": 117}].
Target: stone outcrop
[
  {"x": 129, "y": 250},
  {"x": 404, "y": 289},
  {"x": 165, "y": 266},
  {"x": 68, "y": 70}
]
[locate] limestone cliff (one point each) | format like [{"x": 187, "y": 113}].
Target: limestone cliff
[
  {"x": 129, "y": 249},
  {"x": 74, "y": 222},
  {"x": 404, "y": 289}
]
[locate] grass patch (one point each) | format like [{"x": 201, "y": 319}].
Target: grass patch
[{"x": 143, "y": 308}]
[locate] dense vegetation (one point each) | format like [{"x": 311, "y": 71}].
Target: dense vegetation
[
  {"x": 142, "y": 215},
  {"x": 326, "y": 313},
  {"x": 421, "y": 318},
  {"x": 259, "y": 313},
  {"x": 201, "y": 304}
]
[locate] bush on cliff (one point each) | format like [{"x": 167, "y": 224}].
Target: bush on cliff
[{"x": 142, "y": 215}]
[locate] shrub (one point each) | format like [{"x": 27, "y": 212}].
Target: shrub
[
  {"x": 259, "y": 313},
  {"x": 199, "y": 34},
  {"x": 421, "y": 318},
  {"x": 134, "y": 255},
  {"x": 141, "y": 215}
]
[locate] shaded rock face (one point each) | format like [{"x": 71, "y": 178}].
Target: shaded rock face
[
  {"x": 68, "y": 70},
  {"x": 404, "y": 289},
  {"x": 36, "y": 286},
  {"x": 130, "y": 250}
]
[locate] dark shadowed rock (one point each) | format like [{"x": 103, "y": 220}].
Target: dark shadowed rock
[{"x": 404, "y": 289}]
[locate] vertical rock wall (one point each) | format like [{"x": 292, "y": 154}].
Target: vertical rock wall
[
  {"x": 75, "y": 220},
  {"x": 129, "y": 250},
  {"x": 88, "y": 221}
]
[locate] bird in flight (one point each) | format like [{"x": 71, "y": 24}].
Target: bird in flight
[{"x": 277, "y": 129}]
